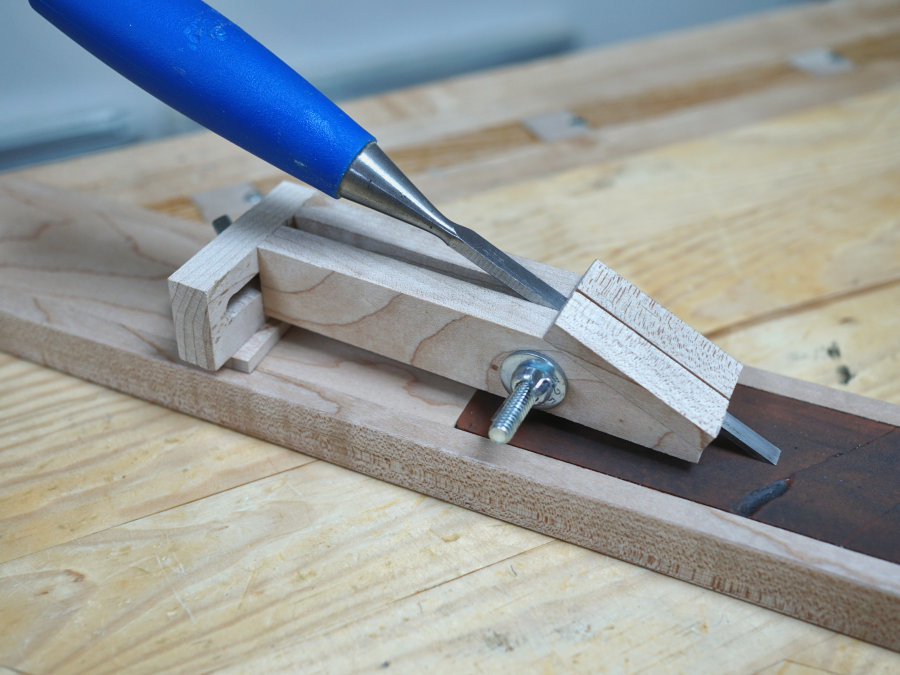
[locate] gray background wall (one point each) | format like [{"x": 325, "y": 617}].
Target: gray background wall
[{"x": 58, "y": 100}]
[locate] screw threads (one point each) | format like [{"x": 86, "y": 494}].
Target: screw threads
[
  {"x": 511, "y": 414},
  {"x": 533, "y": 381}
]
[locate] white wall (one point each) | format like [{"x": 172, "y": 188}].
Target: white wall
[{"x": 58, "y": 100}]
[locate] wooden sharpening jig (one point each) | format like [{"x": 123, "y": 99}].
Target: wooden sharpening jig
[{"x": 612, "y": 359}]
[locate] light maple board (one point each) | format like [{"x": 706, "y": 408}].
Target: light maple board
[{"x": 105, "y": 317}]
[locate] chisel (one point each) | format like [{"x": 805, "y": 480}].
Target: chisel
[
  {"x": 195, "y": 60},
  {"x": 192, "y": 58}
]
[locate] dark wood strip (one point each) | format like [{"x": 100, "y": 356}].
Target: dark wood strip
[
  {"x": 464, "y": 147},
  {"x": 838, "y": 480},
  {"x": 666, "y": 100},
  {"x": 475, "y": 144},
  {"x": 179, "y": 207}
]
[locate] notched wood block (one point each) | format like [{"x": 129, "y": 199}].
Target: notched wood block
[
  {"x": 679, "y": 378},
  {"x": 216, "y": 307}
]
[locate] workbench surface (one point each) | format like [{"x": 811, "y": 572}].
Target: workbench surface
[{"x": 757, "y": 200}]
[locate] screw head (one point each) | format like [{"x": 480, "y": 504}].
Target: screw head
[
  {"x": 547, "y": 379},
  {"x": 533, "y": 381}
]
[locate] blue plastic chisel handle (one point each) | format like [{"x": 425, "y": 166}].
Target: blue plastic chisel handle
[{"x": 194, "y": 59}]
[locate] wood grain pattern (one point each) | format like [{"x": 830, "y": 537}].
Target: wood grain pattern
[
  {"x": 230, "y": 595},
  {"x": 838, "y": 347},
  {"x": 739, "y": 82},
  {"x": 672, "y": 394},
  {"x": 50, "y": 496},
  {"x": 665, "y": 331},
  {"x": 708, "y": 201},
  {"x": 468, "y": 146}
]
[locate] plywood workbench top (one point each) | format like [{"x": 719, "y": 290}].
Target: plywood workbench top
[{"x": 758, "y": 201}]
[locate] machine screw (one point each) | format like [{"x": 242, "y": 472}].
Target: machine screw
[{"x": 534, "y": 381}]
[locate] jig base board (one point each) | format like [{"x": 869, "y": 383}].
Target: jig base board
[{"x": 83, "y": 290}]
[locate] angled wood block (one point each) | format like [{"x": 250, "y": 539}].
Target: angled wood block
[
  {"x": 662, "y": 329},
  {"x": 634, "y": 370},
  {"x": 683, "y": 380}
]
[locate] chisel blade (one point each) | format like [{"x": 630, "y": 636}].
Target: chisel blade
[
  {"x": 373, "y": 180},
  {"x": 748, "y": 440},
  {"x": 495, "y": 262}
]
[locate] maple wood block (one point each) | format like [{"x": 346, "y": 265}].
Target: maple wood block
[
  {"x": 254, "y": 350},
  {"x": 215, "y": 310},
  {"x": 656, "y": 324},
  {"x": 683, "y": 380},
  {"x": 438, "y": 323}
]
